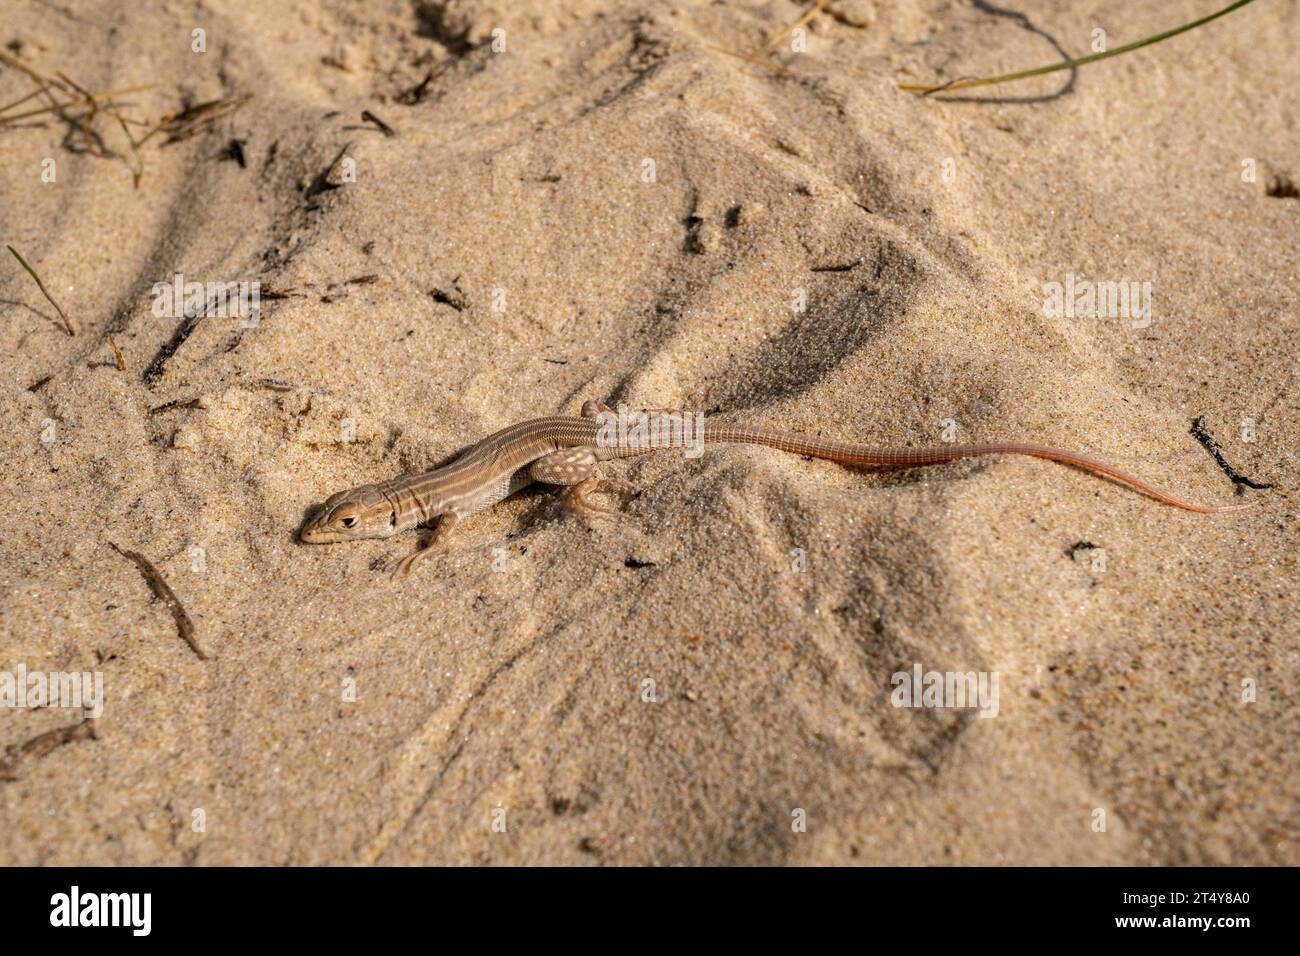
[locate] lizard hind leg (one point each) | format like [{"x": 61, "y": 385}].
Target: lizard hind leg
[
  {"x": 574, "y": 469},
  {"x": 578, "y": 499}
]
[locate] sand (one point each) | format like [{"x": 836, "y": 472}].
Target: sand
[{"x": 610, "y": 207}]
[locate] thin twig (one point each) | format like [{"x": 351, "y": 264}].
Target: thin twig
[
  {"x": 67, "y": 323},
  {"x": 86, "y": 124},
  {"x": 369, "y": 117},
  {"x": 32, "y": 72},
  {"x": 23, "y": 99}
]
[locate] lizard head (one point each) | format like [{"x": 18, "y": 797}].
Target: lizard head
[{"x": 362, "y": 512}]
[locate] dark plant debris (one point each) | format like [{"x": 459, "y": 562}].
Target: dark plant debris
[
  {"x": 453, "y": 295},
  {"x": 1281, "y": 187},
  {"x": 1078, "y": 546},
  {"x": 163, "y": 591},
  {"x": 1205, "y": 438},
  {"x": 235, "y": 151},
  {"x": 369, "y": 117},
  {"x": 42, "y": 744}
]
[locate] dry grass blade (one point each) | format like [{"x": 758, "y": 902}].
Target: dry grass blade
[
  {"x": 757, "y": 61},
  {"x": 967, "y": 83},
  {"x": 23, "y": 99},
  {"x": 184, "y": 123},
  {"x": 20, "y": 66},
  {"x": 66, "y": 94},
  {"x": 59, "y": 107},
  {"x": 88, "y": 99},
  {"x": 67, "y": 323},
  {"x": 802, "y": 21},
  {"x": 117, "y": 355},
  {"x": 137, "y": 173}
]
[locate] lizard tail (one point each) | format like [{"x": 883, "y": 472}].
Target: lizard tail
[{"x": 848, "y": 453}]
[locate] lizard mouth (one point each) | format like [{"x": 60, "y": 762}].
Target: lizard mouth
[{"x": 311, "y": 534}]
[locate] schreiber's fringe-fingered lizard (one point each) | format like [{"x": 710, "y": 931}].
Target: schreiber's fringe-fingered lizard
[{"x": 564, "y": 451}]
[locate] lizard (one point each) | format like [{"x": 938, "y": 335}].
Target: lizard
[{"x": 564, "y": 451}]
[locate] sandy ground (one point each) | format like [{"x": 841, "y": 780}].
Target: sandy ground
[{"x": 611, "y": 207}]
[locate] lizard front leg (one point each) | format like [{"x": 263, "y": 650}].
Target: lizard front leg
[{"x": 437, "y": 541}]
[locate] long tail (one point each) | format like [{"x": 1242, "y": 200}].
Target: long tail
[{"x": 847, "y": 453}]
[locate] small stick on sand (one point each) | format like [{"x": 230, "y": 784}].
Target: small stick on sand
[
  {"x": 117, "y": 354},
  {"x": 369, "y": 117},
  {"x": 42, "y": 744},
  {"x": 413, "y": 96},
  {"x": 67, "y": 323},
  {"x": 161, "y": 590}
]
